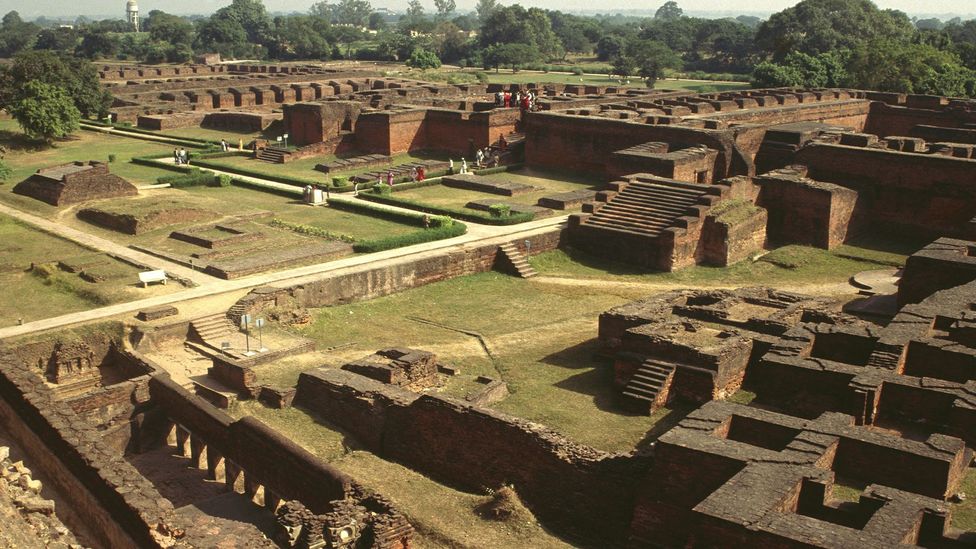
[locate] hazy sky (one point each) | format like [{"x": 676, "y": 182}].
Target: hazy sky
[{"x": 52, "y": 8}]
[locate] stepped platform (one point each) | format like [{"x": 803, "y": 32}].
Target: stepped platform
[
  {"x": 400, "y": 171},
  {"x": 646, "y": 206},
  {"x": 479, "y": 183},
  {"x": 355, "y": 163},
  {"x": 485, "y": 204},
  {"x": 564, "y": 201}
]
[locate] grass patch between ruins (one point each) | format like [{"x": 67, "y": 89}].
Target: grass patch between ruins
[{"x": 49, "y": 291}]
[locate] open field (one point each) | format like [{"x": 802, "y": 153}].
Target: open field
[
  {"x": 213, "y": 134},
  {"x": 48, "y": 291}
]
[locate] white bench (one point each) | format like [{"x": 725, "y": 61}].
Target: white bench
[{"x": 146, "y": 277}]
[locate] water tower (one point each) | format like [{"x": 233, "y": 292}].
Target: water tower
[{"x": 132, "y": 14}]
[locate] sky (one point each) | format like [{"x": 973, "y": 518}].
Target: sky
[{"x": 105, "y": 8}]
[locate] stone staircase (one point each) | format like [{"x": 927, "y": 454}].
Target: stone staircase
[
  {"x": 272, "y": 155},
  {"x": 237, "y": 311},
  {"x": 210, "y": 329},
  {"x": 645, "y": 206},
  {"x": 648, "y": 389},
  {"x": 515, "y": 261}
]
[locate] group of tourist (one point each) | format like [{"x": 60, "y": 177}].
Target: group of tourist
[
  {"x": 523, "y": 100},
  {"x": 417, "y": 173},
  {"x": 486, "y": 158},
  {"x": 181, "y": 157}
]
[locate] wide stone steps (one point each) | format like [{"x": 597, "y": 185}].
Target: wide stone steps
[
  {"x": 647, "y": 207},
  {"x": 644, "y": 388},
  {"x": 271, "y": 155},
  {"x": 236, "y": 312},
  {"x": 517, "y": 261},
  {"x": 212, "y": 327}
]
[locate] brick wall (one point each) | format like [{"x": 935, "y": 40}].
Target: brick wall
[{"x": 572, "y": 488}]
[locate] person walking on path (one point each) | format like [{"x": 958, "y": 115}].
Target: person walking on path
[
  {"x": 421, "y": 173},
  {"x": 389, "y": 178},
  {"x": 176, "y": 157}
]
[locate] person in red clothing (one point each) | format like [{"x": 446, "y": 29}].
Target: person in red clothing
[
  {"x": 421, "y": 173},
  {"x": 525, "y": 102},
  {"x": 508, "y": 100}
]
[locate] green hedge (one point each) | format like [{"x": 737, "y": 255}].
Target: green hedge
[
  {"x": 500, "y": 169},
  {"x": 417, "y": 237},
  {"x": 288, "y": 193},
  {"x": 470, "y": 215},
  {"x": 358, "y": 206},
  {"x": 193, "y": 178},
  {"x": 288, "y": 180}
]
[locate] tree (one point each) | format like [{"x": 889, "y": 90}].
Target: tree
[
  {"x": 76, "y": 76},
  {"x": 510, "y": 55},
  {"x": 423, "y": 59},
  {"x": 799, "y": 69},
  {"x": 98, "y": 44},
  {"x": 57, "y": 39},
  {"x": 300, "y": 37},
  {"x": 484, "y": 8},
  {"x": 250, "y": 15},
  {"x": 164, "y": 27},
  {"x": 821, "y": 26},
  {"x": 414, "y": 19},
  {"x": 609, "y": 47},
  {"x": 623, "y": 65},
  {"x": 45, "y": 111},
  {"x": 444, "y": 8},
  {"x": 669, "y": 11},
  {"x": 887, "y": 65},
  {"x": 16, "y": 35},
  {"x": 352, "y": 12},
  {"x": 376, "y": 22},
  {"x": 516, "y": 25}
]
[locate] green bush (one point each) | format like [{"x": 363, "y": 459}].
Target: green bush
[
  {"x": 482, "y": 77},
  {"x": 340, "y": 181},
  {"x": 499, "y": 210},
  {"x": 467, "y": 215},
  {"x": 382, "y": 189},
  {"x": 441, "y": 221},
  {"x": 366, "y": 208},
  {"x": 577, "y": 71},
  {"x": 409, "y": 239},
  {"x": 223, "y": 180},
  {"x": 195, "y": 177},
  {"x": 111, "y": 158}
]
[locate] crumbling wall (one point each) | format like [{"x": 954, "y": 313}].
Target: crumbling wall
[{"x": 570, "y": 487}]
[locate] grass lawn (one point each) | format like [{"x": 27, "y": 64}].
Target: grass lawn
[
  {"x": 50, "y": 292},
  {"x": 964, "y": 514},
  {"x": 26, "y": 158},
  {"x": 787, "y": 265}
]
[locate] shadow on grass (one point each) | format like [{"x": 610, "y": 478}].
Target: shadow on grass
[
  {"x": 597, "y": 381},
  {"x": 598, "y": 263},
  {"x": 16, "y": 141},
  {"x": 675, "y": 413},
  {"x": 891, "y": 243}
]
